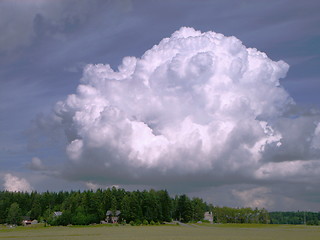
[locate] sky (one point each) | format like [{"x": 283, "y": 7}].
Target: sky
[{"x": 215, "y": 99}]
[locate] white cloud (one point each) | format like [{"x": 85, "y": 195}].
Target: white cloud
[
  {"x": 256, "y": 197},
  {"x": 197, "y": 108},
  {"x": 16, "y": 184},
  {"x": 316, "y": 137},
  {"x": 36, "y": 164},
  {"x": 92, "y": 186},
  {"x": 290, "y": 171}
]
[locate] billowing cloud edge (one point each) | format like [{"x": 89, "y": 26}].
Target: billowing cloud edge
[{"x": 198, "y": 108}]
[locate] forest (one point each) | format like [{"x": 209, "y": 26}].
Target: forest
[
  {"x": 136, "y": 207},
  {"x": 307, "y": 218}
]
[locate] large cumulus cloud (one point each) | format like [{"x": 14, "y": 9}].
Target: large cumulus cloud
[{"x": 197, "y": 107}]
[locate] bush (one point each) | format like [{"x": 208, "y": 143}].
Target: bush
[
  {"x": 145, "y": 222},
  {"x": 152, "y": 222},
  {"x": 138, "y": 222},
  {"x": 132, "y": 223}
]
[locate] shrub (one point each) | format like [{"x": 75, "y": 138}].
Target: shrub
[
  {"x": 145, "y": 222},
  {"x": 138, "y": 222}
]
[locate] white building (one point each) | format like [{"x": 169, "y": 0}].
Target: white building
[{"x": 208, "y": 216}]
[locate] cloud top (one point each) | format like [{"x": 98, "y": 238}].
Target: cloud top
[
  {"x": 16, "y": 184},
  {"x": 197, "y": 104}
]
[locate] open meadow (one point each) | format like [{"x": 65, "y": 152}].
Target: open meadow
[{"x": 173, "y": 232}]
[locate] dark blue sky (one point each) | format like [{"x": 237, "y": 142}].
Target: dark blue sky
[{"x": 44, "y": 46}]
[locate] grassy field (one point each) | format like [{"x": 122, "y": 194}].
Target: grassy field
[{"x": 165, "y": 232}]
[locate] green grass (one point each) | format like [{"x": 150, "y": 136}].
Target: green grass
[{"x": 193, "y": 232}]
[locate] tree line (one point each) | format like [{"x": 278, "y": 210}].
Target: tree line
[
  {"x": 240, "y": 215},
  {"x": 88, "y": 207},
  {"x": 307, "y": 218}
]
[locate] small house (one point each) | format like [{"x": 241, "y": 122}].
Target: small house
[
  {"x": 26, "y": 220},
  {"x": 112, "y": 217},
  {"x": 208, "y": 216},
  {"x": 35, "y": 221},
  {"x": 57, "y": 214}
]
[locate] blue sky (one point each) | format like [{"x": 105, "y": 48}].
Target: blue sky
[{"x": 45, "y": 45}]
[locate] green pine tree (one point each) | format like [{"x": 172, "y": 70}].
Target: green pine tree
[{"x": 14, "y": 214}]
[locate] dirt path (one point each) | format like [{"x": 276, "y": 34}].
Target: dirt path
[{"x": 183, "y": 224}]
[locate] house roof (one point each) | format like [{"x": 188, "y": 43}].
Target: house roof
[
  {"x": 109, "y": 213},
  {"x": 57, "y": 214}
]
